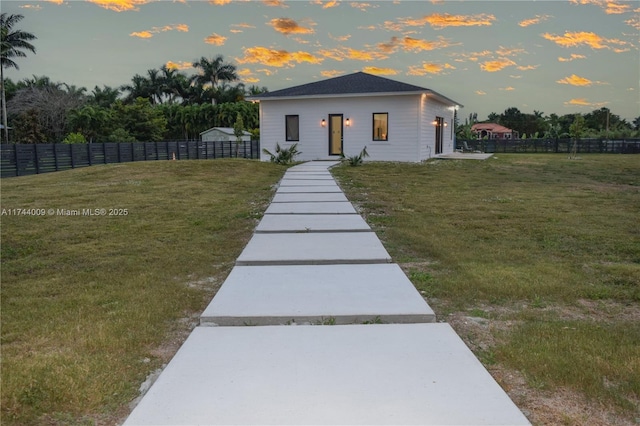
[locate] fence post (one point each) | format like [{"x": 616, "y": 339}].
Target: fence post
[
  {"x": 35, "y": 158},
  {"x": 89, "y": 152},
  {"x": 73, "y": 160},
  {"x": 55, "y": 156}
]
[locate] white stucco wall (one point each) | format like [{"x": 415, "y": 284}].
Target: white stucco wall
[{"x": 410, "y": 130}]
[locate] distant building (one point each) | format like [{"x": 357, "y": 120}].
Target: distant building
[
  {"x": 493, "y": 131},
  {"x": 223, "y": 134}
]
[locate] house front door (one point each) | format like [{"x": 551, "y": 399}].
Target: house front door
[
  {"x": 439, "y": 134},
  {"x": 335, "y": 134}
]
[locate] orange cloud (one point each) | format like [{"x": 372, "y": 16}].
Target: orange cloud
[
  {"x": 179, "y": 65},
  {"x": 342, "y": 53},
  {"x": 534, "y": 21},
  {"x": 181, "y": 27},
  {"x": 493, "y": 66},
  {"x": 473, "y": 56},
  {"x": 275, "y": 3},
  {"x": 289, "y": 26},
  {"x": 142, "y": 34},
  {"x": 56, "y": 1},
  {"x": 340, "y": 38},
  {"x": 503, "y": 51},
  {"x": 439, "y": 21},
  {"x": 412, "y": 44},
  {"x": 215, "y": 39},
  {"x": 507, "y": 89},
  {"x": 247, "y": 75},
  {"x": 155, "y": 30},
  {"x": 585, "y": 102},
  {"x": 32, "y": 6},
  {"x": 326, "y": 4},
  {"x": 527, "y": 67},
  {"x": 429, "y": 68},
  {"x": 238, "y": 28},
  {"x": 573, "y": 57},
  {"x": 480, "y": 92},
  {"x": 575, "y": 80},
  {"x": 331, "y": 73},
  {"x": 266, "y": 71},
  {"x": 611, "y": 7},
  {"x": 276, "y": 58},
  {"x": 219, "y": 2},
  {"x": 634, "y": 22},
  {"x": 119, "y": 5},
  {"x": 593, "y": 40},
  {"x": 363, "y": 6},
  {"x": 380, "y": 71}
]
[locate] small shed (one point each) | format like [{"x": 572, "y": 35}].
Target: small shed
[
  {"x": 223, "y": 134},
  {"x": 395, "y": 121}
]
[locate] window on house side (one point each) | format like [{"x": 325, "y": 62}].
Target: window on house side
[
  {"x": 380, "y": 126},
  {"x": 292, "y": 126}
]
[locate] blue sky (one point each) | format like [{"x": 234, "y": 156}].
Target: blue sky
[{"x": 551, "y": 56}]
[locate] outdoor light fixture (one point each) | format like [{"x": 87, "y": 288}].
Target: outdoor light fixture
[
  {"x": 348, "y": 122},
  {"x": 445, "y": 124},
  {"x": 323, "y": 123},
  {"x": 434, "y": 122}
]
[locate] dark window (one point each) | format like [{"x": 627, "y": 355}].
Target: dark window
[
  {"x": 380, "y": 126},
  {"x": 292, "y": 125}
]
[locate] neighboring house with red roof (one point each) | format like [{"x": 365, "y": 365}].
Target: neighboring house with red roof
[
  {"x": 396, "y": 121},
  {"x": 493, "y": 131}
]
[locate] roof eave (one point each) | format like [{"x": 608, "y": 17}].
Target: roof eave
[{"x": 427, "y": 92}]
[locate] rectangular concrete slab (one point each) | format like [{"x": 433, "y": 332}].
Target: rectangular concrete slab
[
  {"x": 306, "y": 176},
  {"x": 342, "y": 294},
  {"x": 314, "y": 249},
  {"x": 324, "y": 207},
  {"x": 311, "y": 197},
  {"x": 315, "y": 165},
  {"x": 397, "y": 374},
  {"x": 312, "y": 223},
  {"x": 307, "y": 182},
  {"x": 307, "y": 189}
]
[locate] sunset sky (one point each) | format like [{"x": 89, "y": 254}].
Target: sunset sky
[{"x": 551, "y": 56}]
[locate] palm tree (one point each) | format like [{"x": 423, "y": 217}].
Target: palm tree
[
  {"x": 139, "y": 88},
  {"x": 13, "y": 42},
  {"x": 212, "y": 72},
  {"x": 104, "y": 97}
]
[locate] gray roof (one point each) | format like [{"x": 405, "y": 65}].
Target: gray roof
[
  {"x": 226, "y": 130},
  {"x": 358, "y": 83}
]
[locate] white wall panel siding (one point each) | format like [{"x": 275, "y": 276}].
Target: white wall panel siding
[{"x": 411, "y": 134}]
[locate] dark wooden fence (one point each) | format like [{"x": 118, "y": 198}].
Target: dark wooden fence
[
  {"x": 27, "y": 159},
  {"x": 584, "y": 146}
]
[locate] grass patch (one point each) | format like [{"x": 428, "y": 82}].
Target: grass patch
[
  {"x": 522, "y": 230},
  {"x": 88, "y": 300},
  {"x": 602, "y": 360}
]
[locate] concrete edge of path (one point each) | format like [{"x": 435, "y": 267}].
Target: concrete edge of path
[{"x": 304, "y": 320}]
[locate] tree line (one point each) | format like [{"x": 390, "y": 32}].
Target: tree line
[
  {"x": 598, "y": 124},
  {"x": 163, "y": 105}
]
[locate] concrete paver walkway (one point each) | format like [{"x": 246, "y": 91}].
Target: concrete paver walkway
[{"x": 377, "y": 358}]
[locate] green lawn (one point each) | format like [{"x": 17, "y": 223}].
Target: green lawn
[
  {"x": 546, "y": 249},
  {"x": 89, "y": 302},
  {"x": 548, "y": 245}
]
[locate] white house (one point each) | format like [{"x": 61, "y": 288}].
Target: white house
[
  {"x": 394, "y": 120},
  {"x": 223, "y": 134}
]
